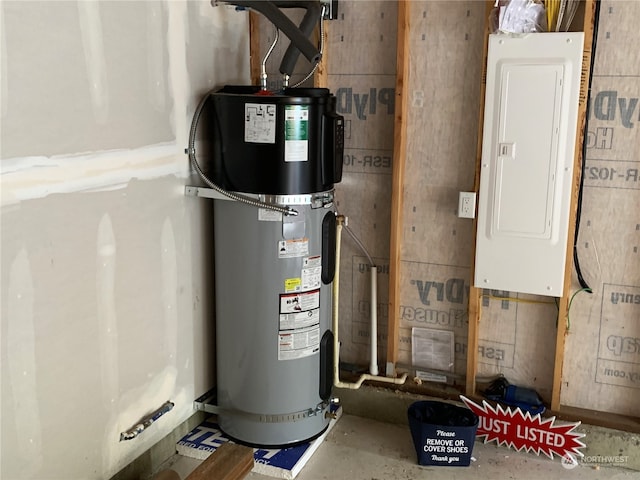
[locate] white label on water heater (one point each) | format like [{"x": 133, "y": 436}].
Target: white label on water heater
[
  {"x": 299, "y": 302},
  {"x": 266, "y": 215},
  {"x": 296, "y": 133},
  {"x": 299, "y": 343},
  {"x": 311, "y": 272},
  {"x": 311, "y": 278},
  {"x": 260, "y": 122},
  {"x": 294, "y": 321},
  {"x": 299, "y": 328},
  {"x": 293, "y": 248}
]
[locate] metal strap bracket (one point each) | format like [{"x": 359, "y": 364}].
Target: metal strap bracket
[{"x": 203, "y": 403}]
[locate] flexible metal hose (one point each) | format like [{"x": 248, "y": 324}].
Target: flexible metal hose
[{"x": 263, "y": 65}]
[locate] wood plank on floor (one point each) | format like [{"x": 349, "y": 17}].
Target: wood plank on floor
[{"x": 229, "y": 462}]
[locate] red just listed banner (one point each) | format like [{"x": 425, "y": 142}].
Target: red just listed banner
[{"x": 521, "y": 430}]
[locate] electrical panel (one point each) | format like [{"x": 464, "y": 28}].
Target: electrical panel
[{"x": 528, "y": 150}]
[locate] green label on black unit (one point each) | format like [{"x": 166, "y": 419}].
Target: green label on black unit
[
  {"x": 296, "y": 122},
  {"x": 296, "y": 133}
]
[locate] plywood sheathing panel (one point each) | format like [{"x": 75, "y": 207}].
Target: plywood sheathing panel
[
  {"x": 443, "y": 88},
  {"x": 602, "y": 356},
  {"x": 361, "y": 73}
]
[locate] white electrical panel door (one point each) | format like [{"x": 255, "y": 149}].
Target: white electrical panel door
[{"x": 528, "y": 148}]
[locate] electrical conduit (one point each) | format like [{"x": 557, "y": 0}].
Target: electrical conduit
[{"x": 336, "y": 342}]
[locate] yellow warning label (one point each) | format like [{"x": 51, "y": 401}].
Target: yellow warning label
[{"x": 292, "y": 284}]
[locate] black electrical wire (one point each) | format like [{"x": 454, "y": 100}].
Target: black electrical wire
[{"x": 576, "y": 261}]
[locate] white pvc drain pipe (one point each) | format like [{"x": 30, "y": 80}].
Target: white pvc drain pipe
[{"x": 373, "y": 367}]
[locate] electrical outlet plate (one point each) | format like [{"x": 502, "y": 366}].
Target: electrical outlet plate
[{"x": 467, "y": 205}]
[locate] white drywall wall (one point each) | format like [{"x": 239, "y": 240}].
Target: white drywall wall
[{"x": 106, "y": 306}]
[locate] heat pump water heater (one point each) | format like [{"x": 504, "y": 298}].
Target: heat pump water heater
[
  {"x": 275, "y": 157},
  {"x": 273, "y": 270}
]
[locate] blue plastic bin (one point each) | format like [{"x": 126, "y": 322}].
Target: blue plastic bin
[{"x": 443, "y": 434}]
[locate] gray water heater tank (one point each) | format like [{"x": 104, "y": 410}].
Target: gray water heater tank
[{"x": 273, "y": 272}]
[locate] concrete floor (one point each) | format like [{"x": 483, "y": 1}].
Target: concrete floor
[{"x": 363, "y": 449}]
